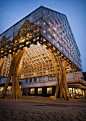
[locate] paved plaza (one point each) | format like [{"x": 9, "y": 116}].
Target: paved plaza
[{"x": 42, "y": 109}]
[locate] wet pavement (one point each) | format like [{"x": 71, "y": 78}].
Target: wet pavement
[{"x": 42, "y": 109}]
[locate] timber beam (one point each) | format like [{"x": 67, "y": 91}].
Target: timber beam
[
  {"x": 61, "y": 78},
  {"x": 14, "y": 73}
]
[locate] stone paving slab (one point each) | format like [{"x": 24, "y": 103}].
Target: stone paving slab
[{"x": 42, "y": 109}]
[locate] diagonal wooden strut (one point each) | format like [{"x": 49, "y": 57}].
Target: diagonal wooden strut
[
  {"x": 61, "y": 77},
  {"x": 8, "y": 78},
  {"x": 1, "y": 66},
  {"x": 64, "y": 81},
  {"x": 14, "y": 72},
  {"x": 57, "y": 75}
]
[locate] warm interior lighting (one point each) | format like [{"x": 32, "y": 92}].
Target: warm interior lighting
[
  {"x": 9, "y": 50},
  {"x": 1, "y": 89},
  {"x": 32, "y": 91},
  {"x": 23, "y": 40},
  {"x": 27, "y": 42},
  {"x": 39, "y": 90},
  {"x": 49, "y": 90}
]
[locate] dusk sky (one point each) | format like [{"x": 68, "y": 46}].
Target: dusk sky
[{"x": 11, "y": 11}]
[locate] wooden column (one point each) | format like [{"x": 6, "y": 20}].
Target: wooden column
[
  {"x": 61, "y": 80},
  {"x": 60, "y": 85},
  {"x": 15, "y": 86},
  {"x": 57, "y": 75},
  {"x": 64, "y": 81},
  {"x": 61, "y": 77},
  {"x": 8, "y": 78},
  {"x": 83, "y": 94},
  {"x": 14, "y": 72},
  {"x": 1, "y": 66}
]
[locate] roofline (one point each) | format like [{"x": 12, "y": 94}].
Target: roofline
[
  {"x": 21, "y": 20},
  {"x": 29, "y": 15},
  {"x": 52, "y": 10}
]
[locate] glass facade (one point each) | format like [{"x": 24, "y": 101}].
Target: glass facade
[
  {"x": 75, "y": 92},
  {"x": 52, "y": 25}
]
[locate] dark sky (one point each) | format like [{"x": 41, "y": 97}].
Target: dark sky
[{"x": 11, "y": 11}]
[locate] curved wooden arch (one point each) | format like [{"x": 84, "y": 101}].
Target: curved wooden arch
[{"x": 44, "y": 56}]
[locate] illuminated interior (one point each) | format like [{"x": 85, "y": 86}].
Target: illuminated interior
[
  {"x": 49, "y": 90},
  {"x": 32, "y": 91},
  {"x": 48, "y": 44},
  {"x": 75, "y": 92},
  {"x": 39, "y": 90}
]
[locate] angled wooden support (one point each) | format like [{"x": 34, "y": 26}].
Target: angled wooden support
[
  {"x": 1, "y": 66},
  {"x": 16, "y": 91},
  {"x": 57, "y": 75},
  {"x": 16, "y": 70},
  {"x": 14, "y": 73},
  {"x": 61, "y": 84},
  {"x": 64, "y": 81},
  {"x": 61, "y": 77},
  {"x": 83, "y": 94},
  {"x": 62, "y": 90},
  {"x": 8, "y": 78}
]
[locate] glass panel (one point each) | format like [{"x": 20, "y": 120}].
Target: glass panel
[
  {"x": 56, "y": 24},
  {"x": 32, "y": 91},
  {"x": 54, "y": 27},
  {"x": 39, "y": 90},
  {"x": 49, "y": 90}
]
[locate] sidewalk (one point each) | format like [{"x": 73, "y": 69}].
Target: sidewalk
[{"x": 42, "y": 109}]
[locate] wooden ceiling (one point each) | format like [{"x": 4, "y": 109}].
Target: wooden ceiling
[{"x": 37, "y": 59}]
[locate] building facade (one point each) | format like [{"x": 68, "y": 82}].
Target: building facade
[
  {"x": 46, "y": 86},
  {"x": 49, "y": 45}
]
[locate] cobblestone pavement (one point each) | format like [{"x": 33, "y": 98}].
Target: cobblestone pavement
[{"x": 42, "y": 109}]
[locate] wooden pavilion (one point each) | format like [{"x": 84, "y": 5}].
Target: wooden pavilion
[{"x": 29, "y": 53}]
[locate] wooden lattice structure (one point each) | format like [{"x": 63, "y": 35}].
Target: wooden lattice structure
[{"x": 33, "y": 51}]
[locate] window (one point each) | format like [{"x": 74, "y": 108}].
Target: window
[
  {"x": 32, "y": 91},
  {"x": 49, "y": 90},
  {"x": 1, "y": 88},
  {"x": 30, "y": 79},
  {"x": 27, "y": 91},
  {"x": 39, "y": 90},
  {"x": 35, "y": 79},
  {"x": 26, "y": 80}
]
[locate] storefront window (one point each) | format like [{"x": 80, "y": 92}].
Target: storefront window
[
  {"x": 1, "y": 88},
  {"x": 32, "y": 91},
  {"x": 75, "y": 92},
  {"x": 39, "y": 90},
  {"x": 27, "y": 91},
  {"x": 70, "y": 91},
  {"x": 49, "y": 90}
]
